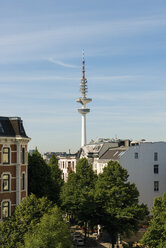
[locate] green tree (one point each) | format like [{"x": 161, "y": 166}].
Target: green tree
[
  {"x": 39, "y": 177},
  {"x": 50, "y": 232},
  {"x": 56, "y": 180},
  {"x": 78, "y": 193},
  {"x": 117, "y": 202},
  {"x": 25, "y": 217},
  {"x": 155, "y": 236}
]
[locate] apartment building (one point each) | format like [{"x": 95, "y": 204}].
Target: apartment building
[
  {"x": 67, "y": 163},
  {"x": 13, "y": 164},
  {"x": 146, "y": 166}
]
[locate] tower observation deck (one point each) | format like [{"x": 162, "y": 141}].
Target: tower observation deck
[{"x": 83, "y": 100}]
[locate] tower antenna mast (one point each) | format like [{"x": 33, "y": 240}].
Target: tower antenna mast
[{"x": 83, "y": 100}]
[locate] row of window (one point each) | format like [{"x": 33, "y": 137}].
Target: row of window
[
  {"x": 136, "y": 156},
  {"x": 70, "y": 165},
  {"x": 6, "y": 182},
  {"x": 6, "y": 155}
]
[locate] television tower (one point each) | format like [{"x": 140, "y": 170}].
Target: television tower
[{"x": 83, "y": 100}]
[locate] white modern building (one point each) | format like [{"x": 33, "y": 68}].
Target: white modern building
[{"x": 146, "y": 166}]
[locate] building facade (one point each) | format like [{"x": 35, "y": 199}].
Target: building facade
[
  {"x": 67, "y": 163},
  {"x": 92, "y": 151},
  {"x": 13, "y": 164},
  {"x": 144, "y": 161},
  {"x": 146, "y": 166}
]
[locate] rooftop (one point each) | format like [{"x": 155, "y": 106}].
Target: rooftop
[
  {"x": 113, "y": 154},
  {"x": 11, "y": 127}
]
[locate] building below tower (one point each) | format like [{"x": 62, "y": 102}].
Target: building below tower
[{"x": 144, "y": 161}]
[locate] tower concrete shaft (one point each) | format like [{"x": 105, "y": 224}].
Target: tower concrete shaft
[
  {"x": 83, "y": 131},
  {"x": 83, "y": 100}
]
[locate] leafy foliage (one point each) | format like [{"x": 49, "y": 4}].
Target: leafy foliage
[
  {"x": 51, "y": 232},
  {"x": 155, "y": 236},
  {"x": 25, "y": 217},
  {"x": 56, "y": 180},
  {"x": 38, "y": 175},
  {"x": 117, "y": 201},
  {"x": 78, "y": 193},
  {"x": 44, "y": 179}
]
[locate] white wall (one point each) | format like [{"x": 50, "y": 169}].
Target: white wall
[
  {"x": 63, "y": 165},
  {"x": 141, "y": 170}
]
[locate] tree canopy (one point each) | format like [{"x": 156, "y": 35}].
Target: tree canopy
[
  {"x": 50, "y": 232},
  {"x": 25, "y": 217},
  {"x": 117, "y": 207},
  {"x": 56, "y": 180},
  {"x": 78, "y": 192},
  {"x": 155, "y": 236},
  {"x": 38, "y": 175},
  {"x": 44, "y": 179}
]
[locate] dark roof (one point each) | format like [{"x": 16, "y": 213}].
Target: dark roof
[
  {"x": 113, "y": 154},
  {"x": 11, "y": 127}
]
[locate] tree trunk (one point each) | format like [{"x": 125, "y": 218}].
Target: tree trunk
[
  {"x": 85, "y": 231},
  {"x": 113, "y": 240}
]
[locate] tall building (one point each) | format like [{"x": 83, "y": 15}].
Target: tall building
[
  {"x": 83, "y": 100},
  {"x": 13, "y": 164}
]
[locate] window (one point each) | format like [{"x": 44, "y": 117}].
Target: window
[
  {"x": 6, "y": 155},
  {"x": 69, "y": 169},
  {"x": 6, "y": 182},
  {"x": 1, "y": 128},
  {"x": 156, "y": 185},
  {"x": 5, "y": 209},
  {"x": 23, "y": 181},
  {"x": 136, "y": 155},
  {"x": 155, "y": 156},
  {"x": 23, "y": 155},
  {"x": 156, "y": 169}
]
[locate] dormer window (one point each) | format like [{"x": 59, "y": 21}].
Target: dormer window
[{"x": 1, "y": 128}]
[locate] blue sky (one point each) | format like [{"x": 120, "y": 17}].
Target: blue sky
[{"x": 41, "y": 46}]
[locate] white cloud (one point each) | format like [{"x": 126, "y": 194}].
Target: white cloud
[{"x": 62, "y": 63}]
